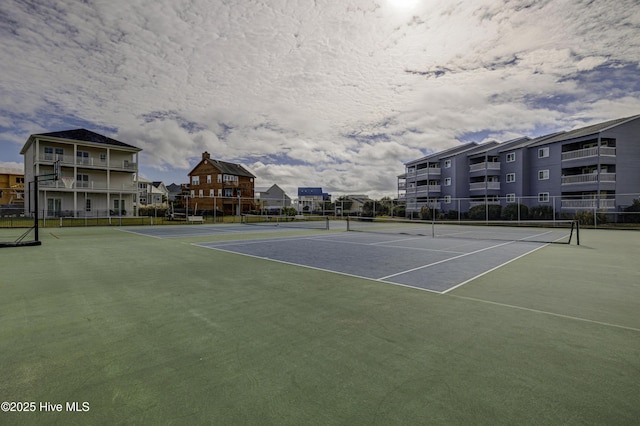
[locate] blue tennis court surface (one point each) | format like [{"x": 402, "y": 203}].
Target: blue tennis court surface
[{"x": 433, "y": 264}]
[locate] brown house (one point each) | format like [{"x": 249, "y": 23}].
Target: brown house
[{"x": 227, "y": 186}]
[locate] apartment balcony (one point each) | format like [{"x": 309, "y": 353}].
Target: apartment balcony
[
  {"x": 589, "y": 178},
  {"x": 428, "y": 171},
  {"x": 482, "y": 203},
  {"x": 402, "y": 185},
  {"x": 491, "y": 165},
  {"x": 89, "y": 162},
  {"x": 588, "y": 152},
  {"x": 481, "y": 186},
  {"x": 589, "y": 204},
  {"x": 90, "y": 186}
]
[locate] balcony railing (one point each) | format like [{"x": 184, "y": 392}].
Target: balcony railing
[
  {"x": 479, "y": 186},
  {"x": 588, "y": 152},
  {"x": 88, "y": 161},
  {"x": 491, "y": 165},
  {"x": 589, "y": 204},
  {"x": 429, "y": 171},
  {"x": 589, "y": 178},
  {"x": 87, "y": 185}
]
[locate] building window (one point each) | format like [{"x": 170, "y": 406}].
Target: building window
[
  {"x": 193, "y": 193},
  {"x": 228, "y": 192},
  {"x": 82, "y": 157},
  {"x": 447, "y": 164},
  {"x": 543, "y": 174},
  {"x": 511, "y": 177},
  {"x": 211, "y": 193},
  {"x": 208, "y": 178},
  {"x": 195, "y": 180},
  {"x": 543, "y": 197},
  {"x": 219, "y": 191},
  {"x": 219, "y": 179},
  {"x": 200, "y": 193},
  {"x": 103, "y": 157},
  {"x": 511, "y": 198},
  {"x": 53, "y": 153},
  {"x": 447, "y": 199},
  {"x": 82, "y": 181},
  {"x": 87, "y": 205},
  {"x": 447, "y": 181},
  {"x": 511, "y": 157},
  {"x": 543, "y": 152}
]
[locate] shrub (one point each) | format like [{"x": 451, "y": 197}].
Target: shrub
[
  {"x": 480, "y": 212},
  {"x": 510, "y": 212},
  {"x": 541, "y": 213}
]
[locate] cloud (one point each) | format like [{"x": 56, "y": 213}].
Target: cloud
[{"x": 331, "y": 94}]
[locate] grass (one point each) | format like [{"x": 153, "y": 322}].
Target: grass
[{"x": 151, "y": 331}]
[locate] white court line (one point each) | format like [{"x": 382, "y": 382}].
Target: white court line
[
  {"x": 538, "y": 311},
  {"x": 138, "y": 233},
  {"x": 376, "y": 280},
  {"x": 444, "y": 261},
  {"x": 492, "y": 269}
]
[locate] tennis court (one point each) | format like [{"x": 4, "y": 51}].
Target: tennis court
[
  {"x": 420, "y": 262},
  {"x": 200, "y": 325}
]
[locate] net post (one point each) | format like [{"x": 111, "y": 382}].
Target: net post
[
  {"x": 577, "y": 233},
  {"x": 348, "y": 223},
  {"x": 35, "y": 204}
]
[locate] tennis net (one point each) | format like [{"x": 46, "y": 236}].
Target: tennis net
[
  {"x": 298, "y": 221},
  {"x": 540, "y": 231}
]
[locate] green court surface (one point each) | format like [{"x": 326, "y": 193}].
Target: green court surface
[{"x": 159, "y": 331}]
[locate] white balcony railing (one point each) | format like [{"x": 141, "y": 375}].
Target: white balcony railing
[
  {"x": 88, "y": 161},
  {"x": 589, "y": 152},
  {"x": 491, "y": 165},
  {"x": 87, "y": 185},
  {"x": 589, "y": 178},
  {"x": 589, "y": 204},
  {"x": 479, "y": 186}
]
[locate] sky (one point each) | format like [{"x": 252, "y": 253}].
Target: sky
[{"x": 337, "y": 94}]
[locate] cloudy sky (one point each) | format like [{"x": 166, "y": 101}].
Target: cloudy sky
[{"x": 330, "y": 93}]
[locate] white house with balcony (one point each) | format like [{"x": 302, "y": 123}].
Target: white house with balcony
[{"x": 98, "y": 174}]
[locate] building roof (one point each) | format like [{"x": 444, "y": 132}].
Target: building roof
[
  {"x": 482, "y": 148},
  {"x": 231, "y": 168},
  {"x": 82, "y": 135},
  {"x": 583, "y": 131},
  {"x": 446, "y": 153},
  {"x": 225, "y": 167}
]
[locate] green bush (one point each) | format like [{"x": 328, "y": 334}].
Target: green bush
[
  {"x": 480, "y": 212},
  {"x": 510, "y": 212},
  {"x": 541, "y": 213}
]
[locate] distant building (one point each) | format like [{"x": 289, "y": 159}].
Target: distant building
[
  {"x": 355, "y": 203},
  {"x": 11, "y": 187},
  {"x": 273, "y": 199},
  {"x": 215, "y": 184},
  {"x": 98, "y": 174},
  {"x": 312, "y": 199},
  {"x": 590, "y": 168},
  {"x": 152, "y": 194},
  {"x": 175, "y": 191}
]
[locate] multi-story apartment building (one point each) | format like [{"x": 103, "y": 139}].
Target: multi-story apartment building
[
  {"x": 97, "y": 174},
  {"x": 594, "y": 167},
  {"x": 226, "y": 187}
]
